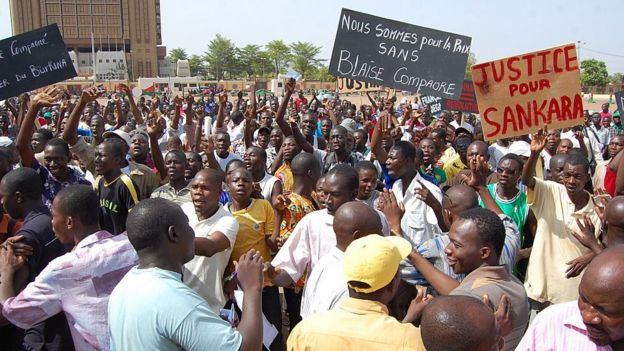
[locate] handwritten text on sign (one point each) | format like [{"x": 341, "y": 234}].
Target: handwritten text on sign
[
  {"x": 32, "y": 60},
  {"x": 346, "y": 85},
  {"x": 520, "y": 94},
  {"x": 399, "y": 55}
]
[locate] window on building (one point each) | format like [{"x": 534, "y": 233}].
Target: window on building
[{"x": 107, "y": 60}]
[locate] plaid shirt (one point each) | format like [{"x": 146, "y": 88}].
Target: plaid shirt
[{"x": 52, "y": 186}]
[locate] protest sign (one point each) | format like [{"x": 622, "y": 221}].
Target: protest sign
[
  {"x": 467, "y": 101},
  {"x": 399, "y": 55},
  {"x": 434, "y": 103},
  {"x": 32, "y": 60},
  {"x": 619, "y": 100},
  {"x": 520, "y": 94},
  {"x": 346, "y": 85}
]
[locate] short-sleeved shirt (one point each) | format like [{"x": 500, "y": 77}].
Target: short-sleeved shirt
[
  {"x": 255, "y": 224},
  {"x": 495, "y": 281},
  {"x": 152, "y": 309},
  {"x": 325, "y": 286},
  {"x": 52, "y": 186},
  {"x": 355, "y": 325},
  {"x": 554, "y": 244},
  {"x": 116, "y": 200},
  {"x": 223, "y": 162},
  {"x": 168, "y": 192},
  {"x": 284, "y": 174},
  {"x": 266, "y": 186},
  {"x": 78, "y": 284},
  {"x": 205, "y": 274}
]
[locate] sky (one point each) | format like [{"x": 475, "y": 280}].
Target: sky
[{"x": 498, "y": 28}]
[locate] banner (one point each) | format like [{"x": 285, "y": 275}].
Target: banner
[
  {"x": 467, "y": 102},
  {"x": 33, "y": 60},
  {"x": 346, "y": 85},
  {"x": 399, "y": 55},
  {"x": 520, "y": 94},
  {"x": 619, "y": 100},
  {"x": 434, "y": 103}
]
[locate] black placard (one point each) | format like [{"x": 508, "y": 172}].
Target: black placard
[
  {"x": 467, "y": 101},
  {"x": 399, "y": 55},
  {"x": 33, "y": 60},
  {"x": 619, "y": 100}
]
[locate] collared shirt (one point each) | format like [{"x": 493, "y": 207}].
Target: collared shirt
[
  {"x": 325, "y": 286},
  {"x": 152, "y": 309},
  {"x": 554, "y": 244},
  {"x": 419, "y": 222},
  {"x": 559, "y": 327},
  {"x": 496, "y": 281},
  {"x": 603, "y": 135},
  {"x": 52, "y": 186},
  {"x": 168, "y": 192},
  {"x": 79, "y": 284},
  {"x": 255, "y": 223},
  {"x": 433, "y": 250},
  {"x": 145, "y": 179},
  {"x": 205, "y": 274},
  {"x": 312, "y": 238},
  {"x": 354, "y": 325}
]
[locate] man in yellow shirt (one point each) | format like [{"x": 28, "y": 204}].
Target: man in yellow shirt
[
  {"x": 557, "y": 257},
  {"x": 361, "y": 321}
]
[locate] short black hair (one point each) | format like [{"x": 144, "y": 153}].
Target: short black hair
[
  {"x": 79, "y": 201},
  {"x": 514, "y": 157},
  {"x": 577, "y": 159},
  {"x": 366, "y": 165},
  {"x": 303, "y": 162},
  {"x": 25, "y": 180},
  {"x": 178, "y": 153},
  {"x": 45, "y": 133},
  {"x": 407, "y": 149},
  {"x": 6, "y": 153},
  {"x": 489, "y": 226},
  {"x": 440, "y": 131},
  {"x": 347, "y": 174},
  {"x": 258, "y": 150},
  {"x": 58, "y": 142},
  {"x": 232, "y": 163},
  {"x": 196, "y": 156},
  {"x": 150, "y": 220},
  {"x": 116, "y": 146},
  {"x": 363, "y": 132}
]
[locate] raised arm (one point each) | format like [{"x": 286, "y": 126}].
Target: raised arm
[
  {"x": 383, "y": 124},
  {"x": 301, "y": 140},
  {"x": 537, "y": 145},
  {"x": 177, "y": 102},
  {"x": 48, "y": 97},
  {"x": 289, "y": 89},
  {"x": 220, "y": 114},
  {"x": 478, "y": 181},
  {"x": 138, "y": 117},
  {"x": 153, "y": 130},
  {"x": 372, "y": 101},
  {"x": 70, "y": 134},
  {"x": 207, "y": 145}
]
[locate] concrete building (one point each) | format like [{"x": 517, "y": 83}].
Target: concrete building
[{"x": 128, "y": 26}]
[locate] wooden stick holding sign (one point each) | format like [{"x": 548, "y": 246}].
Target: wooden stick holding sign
[{"x": 520, "y": 94}]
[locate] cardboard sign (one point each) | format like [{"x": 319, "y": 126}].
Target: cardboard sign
[
  {"x": 467, "y": 101},
  {"x": 33, "y": 60},
  {"x": 346, "y": 85},
  {"x": 619, "y": 100},
  {"x": 520, "y": 94},
  {"x": 399, "y": 55},
  {"x": 434, "y": 103}
]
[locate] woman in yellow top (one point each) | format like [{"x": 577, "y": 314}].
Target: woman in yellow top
[
  {"x": 256, "y": 225},
  {"x": 287, "y": 153}
]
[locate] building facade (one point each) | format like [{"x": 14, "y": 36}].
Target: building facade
[{"x": 131, "y": 27}]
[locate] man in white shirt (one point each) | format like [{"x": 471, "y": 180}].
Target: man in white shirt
[
  {"x": 314, "y": 237},
  {"x": 326, "y": 285},
  {"x": 215, "y": 233},
  {"x": 222, "y": 150}
]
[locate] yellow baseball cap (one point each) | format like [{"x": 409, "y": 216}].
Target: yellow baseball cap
[{"x": 374, "y": 260}]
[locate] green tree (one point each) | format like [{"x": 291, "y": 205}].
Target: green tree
[
  {"x": 594, "y": 73},
  {"x": 472, "y": 59},
  {"x": 221, "y": 57},
  {"x": 198, "y": 66},
  {"x": 262, "y": 64},
  {"x": 246, "y": 58},
  {"x": 616, "y": 78},
  {"x": 322, "y": 73},
  {"x": 177, "y": 54},
  {"x": 278, "y": 52},
  {"x": 304, "y": 57}
]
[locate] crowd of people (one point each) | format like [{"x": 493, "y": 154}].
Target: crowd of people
[{"x": 218, "y": 221}]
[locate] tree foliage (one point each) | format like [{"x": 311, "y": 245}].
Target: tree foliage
[
  {"x": 304, "y": 57},
  {"x": 177, "y": 54},
  {"x": 594, "y": 73},
  {"x": 616, "y": 78},
  {"x": 221, "y": 57},
  {"x": 472, "y": 59},
  {"x": 278, "y": 52},
  {"x": 197, "y": 64}
]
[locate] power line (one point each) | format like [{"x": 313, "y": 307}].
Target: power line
[{"x": 602, "y": 52}]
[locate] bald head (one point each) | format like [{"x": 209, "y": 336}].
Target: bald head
[
  {"x": 614, "y": 216},
  {"x": 354, "y": 220},
  {"x": 459, "y": 198},
  {"x": 457, "y": 323},
  {"x": 304, "y": 162},
  {"x": 604, "y": 274}
]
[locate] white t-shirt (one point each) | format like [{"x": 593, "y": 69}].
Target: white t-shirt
[
  {"x": 205, "y": 274},
  {"x": 224, "y": 161},
  {"x": 325, "y": 286},
  {"x": 151, "y": 309},
  {"x": 267, "y": 184}
]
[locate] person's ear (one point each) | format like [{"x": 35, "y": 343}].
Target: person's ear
[
  {"x": 19, "y": 197},
  {"x": 357, "y": 234},
  {"x": 69, "y": 222},
  {"x": 172, "y": 235},
  {"x": 485, "y": 252}
]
